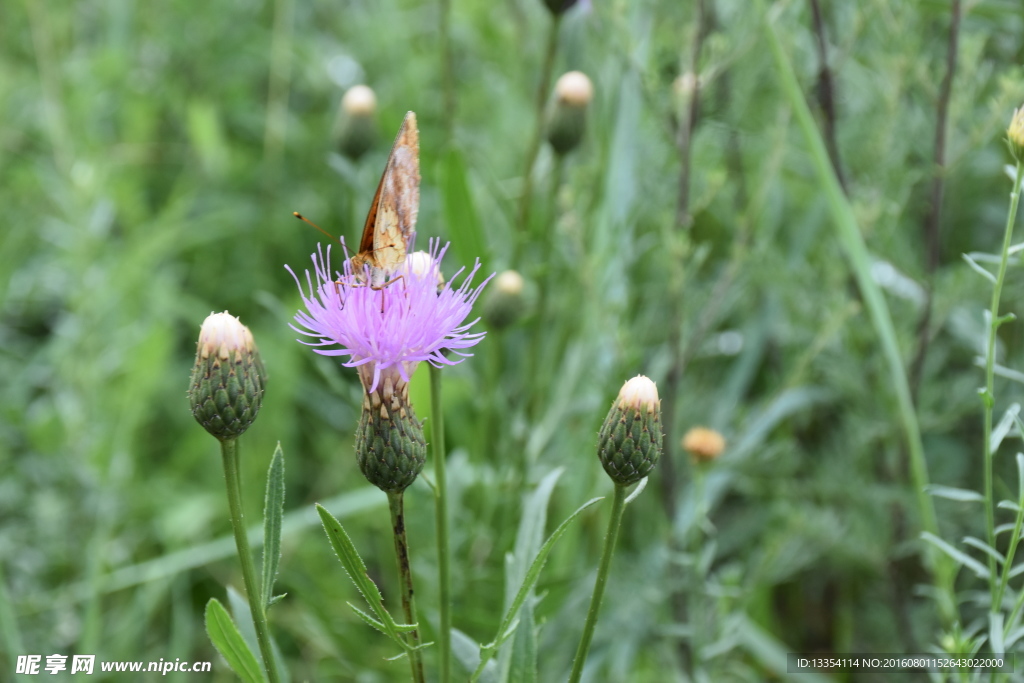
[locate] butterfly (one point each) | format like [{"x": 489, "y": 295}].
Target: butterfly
[{"x": 391, "y": 222}]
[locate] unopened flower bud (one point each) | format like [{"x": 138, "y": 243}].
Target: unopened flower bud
[
  {"x": 559, "y": 6},
  {"x": 703, "y": 444},
  {"x": 226, "y": 389},
  {"x": 1015, "y": 135},
  {"x": 421, "y": 263},
  {"x": 629, "y": 442},
  {"x": 505, "y": 302},
  {"x": 567, "y": 121},
  {"x": 390, "y": 446},
  {"x": 358, "y": 129}
]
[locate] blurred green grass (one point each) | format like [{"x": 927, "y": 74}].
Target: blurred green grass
[{"x": 142, "y": 190}]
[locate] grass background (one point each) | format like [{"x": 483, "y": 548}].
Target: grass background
[{"x": 151, "y": 156}]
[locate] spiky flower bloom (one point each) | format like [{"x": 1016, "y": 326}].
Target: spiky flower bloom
[
  {"x": 703, "y": 444},
  {"x": 1015, "y": 135},
  {"x": 357, "y": 130},
  {"x": 629, "y": 442},
  {"x": 385, "y": 333},
  {"x": 226, "y": 389},
  {"x": 567, "y": 121}
]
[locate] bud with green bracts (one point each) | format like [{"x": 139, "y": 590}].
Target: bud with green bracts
[
  {"x": 226, "y": 390},
  {"x": 505, "y": 303},
  {"x": 629, "y": 442},
  {"x": 390, "y": 446},
  {"x": 357, "y": 129},
  {"x": 1015, "y": 135},
  {"x": 567, "y": 120}
]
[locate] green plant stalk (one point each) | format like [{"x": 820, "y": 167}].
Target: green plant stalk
[
  {"x": 618, "y": 505},
  {"x": 444, "y": 641},
  {"x": 547, "y": 69},
  {"x": 856, "y": 251},
  {"x": 395, "y": 502},
  {"x": 988, "y": 397},
  {"x": 1010, "y": 552},
  {"x": 232, "y": 478}
]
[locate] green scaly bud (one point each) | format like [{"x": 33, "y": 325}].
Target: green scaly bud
[
  {"x": 357, "y": 130},
  {"x": 505, "y": 303},
  {"x": 226, "y": 389},
  {"x": 1015, "y": 135},
  {"x": 390, "y": 447},
  {"x": 568, "y": 117},
  {"x": 629, "y": 442}
]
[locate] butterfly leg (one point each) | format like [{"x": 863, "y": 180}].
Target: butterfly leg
[{"x": 381, "y": 287}]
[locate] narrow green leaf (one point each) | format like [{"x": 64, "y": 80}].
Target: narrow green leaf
[
  {"x": 368, "y": 619},
  {"x": 1003, "y": 428},
  {"x": 950, "y": 493},
  {"x": 984, "y": 547},
  {"x": 641, "y": 485},
  {"x": 229, "y": 643},
  {"x": 523, "y": 663},
  {"x": 460, "y": 214},
  {"x": 467, "y": 653},
  {"x": 356, "y": 570},
  {"x": 957, "y": 556},
  {"x": 273, "y": 515},
  {"x": 1013, "y": 636},
  {"x": 995, "y": 631}
]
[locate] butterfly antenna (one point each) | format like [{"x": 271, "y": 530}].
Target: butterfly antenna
[{"x": 306, "y": 220}]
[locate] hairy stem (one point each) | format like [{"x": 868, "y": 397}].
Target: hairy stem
[
  {"x": 988, "y": 396},
  {"x": 396, "y": 503},
  {"x": 546, "y": 72},
  {"x": 618, "y": 505},
  {"x": 232, "y": 478},
  {"x": 441, "y": 522}
]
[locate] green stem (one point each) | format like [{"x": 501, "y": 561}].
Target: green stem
[
  {"x": 988, "y": 397},
  {"x": 232, "y": 478},
  {"x": 618, "y": 504},
  {"x": 547, "y": 69},
  {"x": 395, "y": 502},
  {"x": 1010, "y": 552},
  {"x": 447, "y": 71},
  {"x": 852, "y": 242},
  {"x": 441, "y": 521}
]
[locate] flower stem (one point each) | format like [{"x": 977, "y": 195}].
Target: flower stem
[
  {"x": 441, "y": 521},
  {"x": 547, "y": 69},
  {"x": 618, "y": 504},
  {"x": 987, "y": 397},
  {"x": 229, "y": 453},
  {"x": 395, "y": 502}
]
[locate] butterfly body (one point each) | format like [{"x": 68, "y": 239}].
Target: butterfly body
[{"x": 391, "y": 222}]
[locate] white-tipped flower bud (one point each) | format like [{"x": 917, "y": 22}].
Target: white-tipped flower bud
[
  {"x": 421, "y": 263},
  {"x": 1015, "y": 135},
  {"x": 567, "y": 121},
  {"x": 505, "y": 302},
  {"x": 226, "y": 389},
  {"x": 629, "y": 443},
  {"x": 703, "y": 444},
  {"x": 357, "y": 129},
  {"x": 359, "y": 100}
]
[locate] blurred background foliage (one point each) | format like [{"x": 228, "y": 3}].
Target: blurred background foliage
[{"x": 151, "y": 155}]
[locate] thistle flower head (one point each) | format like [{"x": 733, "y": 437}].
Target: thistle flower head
[
  {"x": 1015, "y": 135},
  {"x": 629, "y": 443},
  {"x": 391, "y": 328},
  {"x": 226, "y": 389},
  {"x": 703, "y": 444}
]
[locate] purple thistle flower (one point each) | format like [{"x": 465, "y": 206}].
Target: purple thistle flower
[{"x": 390, "y": 329}]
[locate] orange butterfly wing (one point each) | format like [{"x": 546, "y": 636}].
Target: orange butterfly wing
[{"x": 391, "y": 221}]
